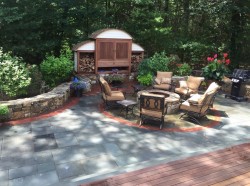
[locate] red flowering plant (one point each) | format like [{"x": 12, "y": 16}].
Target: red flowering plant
[{"x": 216, "y": 68}]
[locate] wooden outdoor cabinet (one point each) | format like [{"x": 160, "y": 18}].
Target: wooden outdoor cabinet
[
  {"x": 109, "y": 50},
  {"x": 113, "y": 53}
]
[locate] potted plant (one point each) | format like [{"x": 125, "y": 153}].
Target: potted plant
[
  {"x": 78, "y": 87},
  {"x": 115, "y": 78},
  {"x": 216, "y": 68}
]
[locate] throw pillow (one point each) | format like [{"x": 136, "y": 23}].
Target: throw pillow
[
  {"x": 194, "y": 99},
  {"x": 183, "y": 84},
  {"x": 165, "y": 80},
  {"x": 158, "y": 81}
]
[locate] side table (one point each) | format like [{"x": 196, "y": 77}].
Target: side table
[
  {"x": 138, "y": 88},
  {"x": 127, "y": 105}
]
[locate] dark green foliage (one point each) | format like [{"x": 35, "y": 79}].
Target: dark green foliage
[
  {"x": 56, "y": 70},
  {"x": 36, "y": 80},
  {"x": 195, "y": 53},
  {"x": 4, "y": 110},
  {"x": 190, "y": 28},
  {"x": 146, "y": 79},
  {"x": 184, "y": 70},
  {"x": 215, "y": 71},
  {"x": 158, "y": 62}
]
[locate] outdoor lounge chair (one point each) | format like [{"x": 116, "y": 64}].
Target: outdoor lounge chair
[
  {"x": 197, "y": 105},
  {"x": 152, "y": 106},
  {"x": 191, "y": 86},
  {"x": 163, "y": 80},
  {"x": 109, "y": 97}
]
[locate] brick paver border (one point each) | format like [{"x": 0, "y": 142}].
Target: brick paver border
[{"x": 222, "y": 167}]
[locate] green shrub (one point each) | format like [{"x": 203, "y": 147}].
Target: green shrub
[
  {"x": 184, "y": 70},
  {"x": 56, "y": 70},
  {"x": 158, "y": 62},
  {"x": 146, "y": 80},
  {"x": 4, "y": 110},
  {"x": 36, "y": 80},
  {"x": 196, "y": 52},
  {"x": 14, "y": 75}
]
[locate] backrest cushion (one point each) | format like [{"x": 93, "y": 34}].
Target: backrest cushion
[
  {"x": 194, "y": 82},
  {"x": 164, "y": 74},
  {"x": 106, "y": 86},
  {"x": 212, "y": 89}
]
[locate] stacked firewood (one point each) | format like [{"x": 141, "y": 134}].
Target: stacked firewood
[
  {"x": 136, "y": 58},
  {"x": 87, "y": 63}
]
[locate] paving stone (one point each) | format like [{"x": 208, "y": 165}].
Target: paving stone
[
  {"x": 94, "y": 150},
  {"x": 63, "y": 134},
  {"x": 113, "y": 149},
  {"x": 104, "y": 164},
  {"x": 66, "y": 141},
  {"x": 90, "y": 139},
  {"x": 41, "y": 179},
  {"x": 128, "y": 159},
  {"x": 45, "y": 167},
  {"x": 40, "y": 123},
  {"x": 70, "y": 169},
  {"x": 4, "y": 178},
  {"x": 42, "y": 130},
  {"x": 22, "y": 171},
  {"x": 44, "y": 142},
  {"x": 68, "y": 154}
]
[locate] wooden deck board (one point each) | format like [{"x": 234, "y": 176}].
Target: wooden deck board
[{"x": 229, "y": 166}]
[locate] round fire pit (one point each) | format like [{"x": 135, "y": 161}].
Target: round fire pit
[{"x": 171, "y": 99}]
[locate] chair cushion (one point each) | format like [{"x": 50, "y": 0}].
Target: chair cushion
[
  {"x": 193, "y": 108},
  {"x": 213, "y": 87},
  {"x": 194, "y": 99},
  {"x": 183, "y": 84},
  {"x": 194, "y": 82},
  {"x": 107, "y": 88},
  {"x": 115, "y": 96},
  {"x": 164, "y": 74},
  {"x": 181, "y": 90},
  {"x": 162, "y": 86},
  {"x": 158, "y": 81},
  {"x": 166, "y": 80},
  {"x": 151, "y": 113}
]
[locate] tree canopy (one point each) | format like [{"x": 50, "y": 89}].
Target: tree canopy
[{"x": 191, "y": 29}]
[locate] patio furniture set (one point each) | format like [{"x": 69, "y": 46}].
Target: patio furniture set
[{"x": 166, "y": 97}]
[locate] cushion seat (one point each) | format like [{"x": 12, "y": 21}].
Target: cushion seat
[
  {"x": 162, "y": 86},
  {"x": 115, "y": 96}
]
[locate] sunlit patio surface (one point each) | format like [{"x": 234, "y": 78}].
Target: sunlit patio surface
[{"x": 85, "y": 143}]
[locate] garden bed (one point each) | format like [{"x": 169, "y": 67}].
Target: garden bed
[{"x": 29, "y": 107}]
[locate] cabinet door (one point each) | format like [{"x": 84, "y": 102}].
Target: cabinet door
[{"x": 106, "y": 51}]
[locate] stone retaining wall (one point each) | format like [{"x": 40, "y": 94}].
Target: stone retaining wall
[{"x": 28, "y": 107}]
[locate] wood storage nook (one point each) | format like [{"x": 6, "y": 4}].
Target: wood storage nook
[{"x": 108, "y": 50}]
